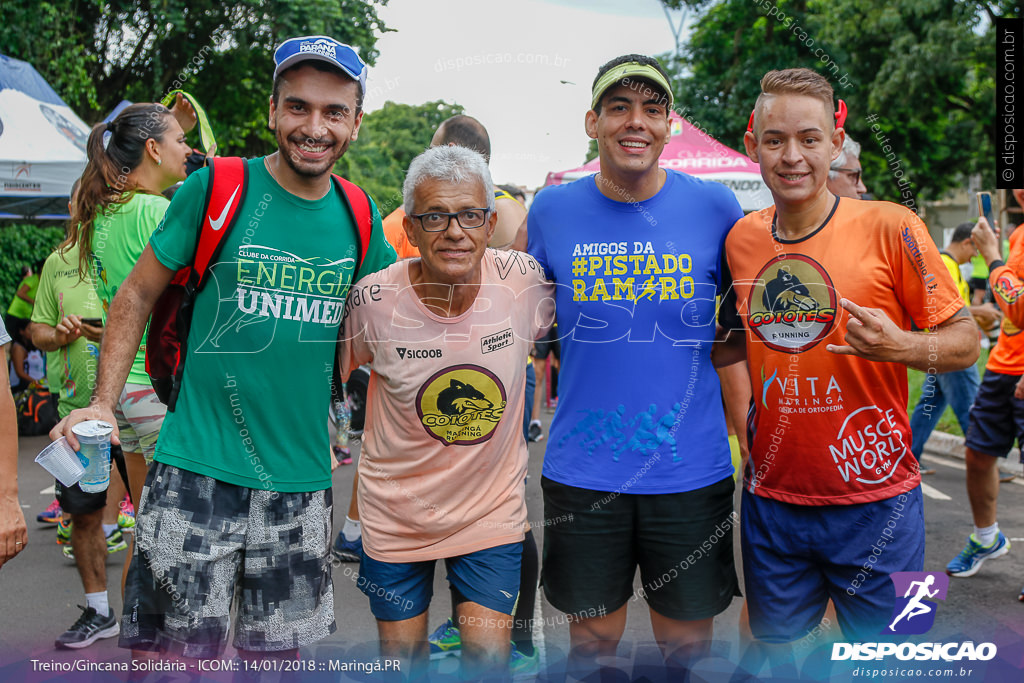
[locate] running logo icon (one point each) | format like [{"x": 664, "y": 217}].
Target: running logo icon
[{"x": 914, "y": 612}]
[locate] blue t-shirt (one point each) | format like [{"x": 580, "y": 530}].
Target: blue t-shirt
[{"x": 640, "y": 408}]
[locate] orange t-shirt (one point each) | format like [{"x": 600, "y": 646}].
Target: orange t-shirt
[
  {"x": 1008, "y": 289},
  {"x": 394, "y": 233},
  {"x": 443, "y": 462},
  {"x": 831, "y": 429}
]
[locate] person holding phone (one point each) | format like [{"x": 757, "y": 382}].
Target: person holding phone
[{"x": 997, "y": 416}]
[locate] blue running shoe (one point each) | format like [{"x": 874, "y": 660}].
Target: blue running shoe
[
  {"x": 51, "y": 515},
  {"x": 520, "y": 665},
  {"x": 968, "y": 562},
  {"x": 347, "y": 551},
  {"x": 445, "y": 640}
]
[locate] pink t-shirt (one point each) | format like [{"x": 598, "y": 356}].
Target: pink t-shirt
[{"x": 443, "y": 461}]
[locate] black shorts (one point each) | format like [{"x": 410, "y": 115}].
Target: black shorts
[
  {"x": 548, "y": 344},
  {"x": 74, "y": 501},
  {"x": 997, "y": 418},
  {"x": 594, "y": 541}
]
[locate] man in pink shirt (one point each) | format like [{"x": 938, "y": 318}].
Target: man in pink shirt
[{"x": 443, "y": 461}]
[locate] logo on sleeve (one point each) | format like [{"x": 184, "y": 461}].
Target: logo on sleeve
[
  {"x": 792, "y": 306},
  {"x": 461, "y": 405}
]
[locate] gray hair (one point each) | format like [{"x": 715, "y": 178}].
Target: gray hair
[
  {"x": 850, "y": 149},
  {"x": 448, "y": 163}
]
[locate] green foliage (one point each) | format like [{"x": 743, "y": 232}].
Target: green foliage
[
  {"x": 23, "y": 245},
  {"x": 389, "y": 139},
  {"x": 97, "y": 53},
  {"x": 926, "y": 68}
]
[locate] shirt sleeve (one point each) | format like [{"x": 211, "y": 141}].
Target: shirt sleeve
[
  {"x": 728, "y": 313},
  {"x": 540, "y": 299},
  {"x": 1007, "y": 281},
  {"x": 174, "y": 240},
  {"x": 45, "y": 310},
  {"x": 921, "y": 280},
  {"x": 353, "y": 348},
  {"x": 535, "y": 238},
  {"x": 5, "y": 338}
]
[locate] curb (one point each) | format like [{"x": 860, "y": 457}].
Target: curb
[{"x": 950, "y": 445}]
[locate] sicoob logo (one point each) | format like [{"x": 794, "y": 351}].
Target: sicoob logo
[
  {"x": 793, "y": 304},
  {"x": 461, "y": 405},
  {"x": 914, "y": 612}
]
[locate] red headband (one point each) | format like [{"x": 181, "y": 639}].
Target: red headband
[{"x": 840, "y": 117}]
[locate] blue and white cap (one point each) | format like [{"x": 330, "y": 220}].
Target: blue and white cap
[{"x": 323, "y": 48}]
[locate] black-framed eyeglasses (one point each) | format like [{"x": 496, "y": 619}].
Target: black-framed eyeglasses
[
  {"x": 438, "y": 221},
  {"x": 852, "y": 172}
]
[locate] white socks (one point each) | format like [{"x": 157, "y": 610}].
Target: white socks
[
  {"x": 99, "y": 602},
  {"x": 352, "y": 529},
  {"x": 988, "y": 535},
  {"x": 108, "y": 529}
]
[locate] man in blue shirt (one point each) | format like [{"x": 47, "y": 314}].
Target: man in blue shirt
[{"x": 637, "y": 471}]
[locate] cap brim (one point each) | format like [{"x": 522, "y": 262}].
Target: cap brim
[{"x": 309, "y": 56}]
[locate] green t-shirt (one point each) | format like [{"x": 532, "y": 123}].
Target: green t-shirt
[
  {"x": 71, "y": 368},
  {"x": 20, "y": 308},
  {"x": 118, "y": 241},
  {"x": 262, "y": 344}
]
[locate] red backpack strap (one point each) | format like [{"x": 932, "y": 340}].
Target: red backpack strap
[
  {"x": 362, "y": 214},
  {"x": 225, "y": 194}
]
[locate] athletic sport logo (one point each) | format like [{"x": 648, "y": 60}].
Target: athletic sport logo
[
  {"x": 461, "y": 405},
  {"x": 914, "y": 612},
  {"x": 792, "y": 306},
  {"x": 218, "y": 223}
]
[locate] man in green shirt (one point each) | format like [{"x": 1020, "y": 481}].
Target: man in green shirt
[{"x": 247, "y": 440}]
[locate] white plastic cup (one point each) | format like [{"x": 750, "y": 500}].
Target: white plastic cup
[
  {"x": 60, "y": 460},
  {"x": 94, "y": 452}
]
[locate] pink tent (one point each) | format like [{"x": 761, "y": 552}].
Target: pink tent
[{"x": 696, "y": 153}]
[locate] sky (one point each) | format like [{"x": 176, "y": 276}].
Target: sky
[{"x": 523, "y": 69}]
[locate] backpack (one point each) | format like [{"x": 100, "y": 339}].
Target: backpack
[
  {"x": 37, "y": 412},
  {"x": 171, "y": 319}
]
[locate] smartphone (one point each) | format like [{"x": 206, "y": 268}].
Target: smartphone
[
  {"x": 95, "y": 322},
  {"x": 985, "y": 207}
]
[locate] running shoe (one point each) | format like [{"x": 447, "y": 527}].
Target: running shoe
[
  {"x": 126, "y": 515},
  {"x": 522, "y": 665},
  {"x": 347, "y": 551},
  {"x": 115, "y": 543},
  {"x": 51, "y": 515},
  {"x": 64, "y": 532},
  {"x": 536, "y": 432},
  {"x": 344, "y": 455},
  {"x": 968, "y": 562},
  {"x": 89, "y": 628},
  {"x": 445, "y": 640}
]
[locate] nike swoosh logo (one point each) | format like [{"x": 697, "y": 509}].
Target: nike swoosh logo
[
  {"x": 505, "y": 593},
  {"x": 219, "y": 223}
]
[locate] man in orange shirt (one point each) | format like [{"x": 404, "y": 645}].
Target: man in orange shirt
[
  {"x": 826, "y": 288},
  {"x": 464, "y": 131},
  {"x": 997, "y": 416}
]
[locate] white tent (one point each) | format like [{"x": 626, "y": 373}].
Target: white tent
[{"x": 42, "y": 144}]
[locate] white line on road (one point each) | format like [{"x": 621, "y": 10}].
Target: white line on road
[
  {"x": 955, "y": 464},
  {"x": 48, "y": 491},
  {"x": 933, "y": 492}
]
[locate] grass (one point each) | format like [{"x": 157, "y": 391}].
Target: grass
[{"x": 948, "y": 422}]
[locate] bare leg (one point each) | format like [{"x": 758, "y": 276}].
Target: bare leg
[
  {"x": 115, "y": 494},
  {"x": 982, "y": 487},
  {"x": 90, "y": 548},
  {"x": 406, "y": 640},
  {"x": 353, "y": 502},
  {"x": 594, "y": 637},
  {"x": 486, "y": 640},
  {"x": 682, "y": 642}
]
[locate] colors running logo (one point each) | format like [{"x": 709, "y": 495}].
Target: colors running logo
[
  {"x": 914, "y": 612},
  {"x": 461, "y": 405},
  {"x": 792, "y": 306}
]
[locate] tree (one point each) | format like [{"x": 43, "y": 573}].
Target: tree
[
  {"x": 389, "y": 139},
  {"x": 924, "y": 67},
  {"x": 97, "y": 53}
]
